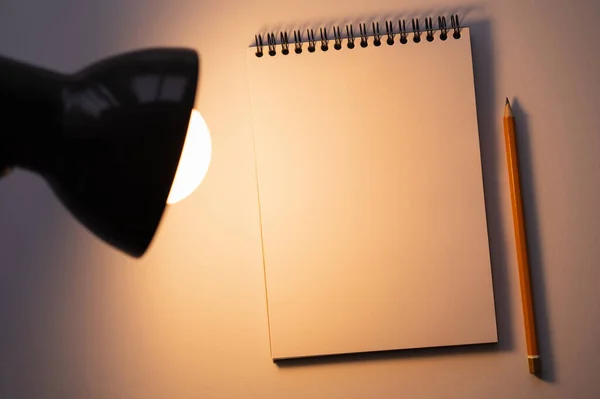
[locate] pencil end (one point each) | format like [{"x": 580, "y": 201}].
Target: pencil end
[
  {"x": 535, "y": 365},
  {"x": 507, "y": 102}
]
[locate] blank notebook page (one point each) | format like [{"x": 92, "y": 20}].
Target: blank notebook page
[{"x": 371, "y": 198}]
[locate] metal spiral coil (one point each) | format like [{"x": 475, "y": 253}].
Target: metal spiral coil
[{"x": 367, "y": 35}]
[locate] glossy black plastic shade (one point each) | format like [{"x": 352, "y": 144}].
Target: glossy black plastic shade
[{"x": 107, "y": 139}]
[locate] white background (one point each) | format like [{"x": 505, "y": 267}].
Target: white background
[{"x": 78, "y": 319}]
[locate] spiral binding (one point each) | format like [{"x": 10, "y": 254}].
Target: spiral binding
[{"x": 391, "y": 31}]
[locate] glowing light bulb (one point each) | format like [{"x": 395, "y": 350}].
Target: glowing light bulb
[{"x": 194, "y": 161}]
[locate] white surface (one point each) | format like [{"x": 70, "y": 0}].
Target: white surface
[
  {"x": 371, "y": 196},
  {"x": 79, "y": 320}
]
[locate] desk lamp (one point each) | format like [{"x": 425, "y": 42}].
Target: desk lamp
[{"x": 109, "y": 139}]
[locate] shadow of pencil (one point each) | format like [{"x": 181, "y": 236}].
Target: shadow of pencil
[{"x": 524, "y": 152}]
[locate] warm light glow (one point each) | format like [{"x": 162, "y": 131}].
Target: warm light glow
[{"x": 194, "y": 160}]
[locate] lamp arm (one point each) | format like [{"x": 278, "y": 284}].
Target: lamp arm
[{"x": 30, "y": 111}]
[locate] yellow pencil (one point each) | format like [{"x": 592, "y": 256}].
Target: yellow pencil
[{"x": 533, "y": 357}]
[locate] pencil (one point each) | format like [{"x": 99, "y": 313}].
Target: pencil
[{"x": 533, "y": 357}]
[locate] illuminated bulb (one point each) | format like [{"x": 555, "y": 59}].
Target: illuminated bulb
[{"x": 194, "y": 160}]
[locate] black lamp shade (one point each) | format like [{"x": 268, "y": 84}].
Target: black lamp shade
[{"x": 107, "y": 139}]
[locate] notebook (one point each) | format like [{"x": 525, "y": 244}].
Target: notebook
[{"x": 370, "y": 189}]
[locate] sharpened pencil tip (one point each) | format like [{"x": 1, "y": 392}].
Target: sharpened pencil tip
[{"x": 507, "y": 109}]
